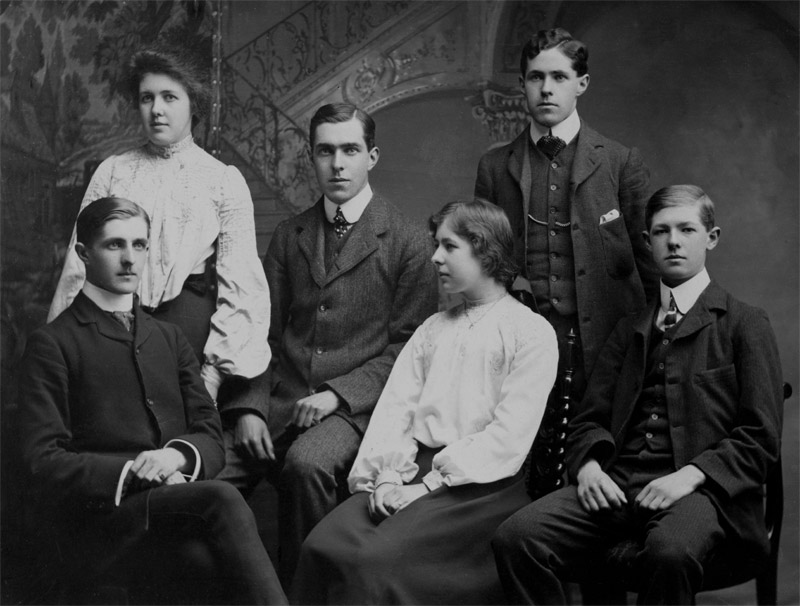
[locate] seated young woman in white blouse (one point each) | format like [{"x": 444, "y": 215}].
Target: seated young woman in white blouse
[{"x": 440, "y": 466}]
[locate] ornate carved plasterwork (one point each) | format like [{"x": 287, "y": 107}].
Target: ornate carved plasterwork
[{"x": 502, "y": 111}]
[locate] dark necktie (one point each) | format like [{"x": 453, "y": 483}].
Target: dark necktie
[
  {"x": 123, "y": 317},
  {"x": 340, "y": 224},
  {"x": 672, "y": 313},
  {"x": 550, "y": 145}
]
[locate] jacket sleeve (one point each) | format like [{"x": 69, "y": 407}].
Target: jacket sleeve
[
  {"x": 415, "y": 298},
  {"x": 483, "y": 181},
  {"x": 634, "y": 191},
  {"x": 58, "y": 474},
  {"x": 739, "y": 462},
  {"x": 589, "y": 431}
]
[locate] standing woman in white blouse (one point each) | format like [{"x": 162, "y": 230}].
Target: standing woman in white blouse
[
  {"x": 203, "y": 271},
  {"x": 440, "y": 466}
]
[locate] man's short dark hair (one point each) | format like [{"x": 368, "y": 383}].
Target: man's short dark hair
[
  {"x": 545, "y": 39},
  {"x": 486, "y": 227},
  {"x": 343, "y": 112},
  {"x": 680, "y": 195},
  {"x": 94, "y": 216}
]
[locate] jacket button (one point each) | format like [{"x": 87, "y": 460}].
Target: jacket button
[
  {"x": 322, "y": 307},
  {"x": 150, "y": 402},
  {"x": 320, "y": 351}
]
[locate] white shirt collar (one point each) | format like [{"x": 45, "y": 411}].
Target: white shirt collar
[
  {"x": 567, "y": 129},
  {"x": 353, "y": 208},
  {"x": 107, "y": 301},
  {"x": 686, "y": 294}
]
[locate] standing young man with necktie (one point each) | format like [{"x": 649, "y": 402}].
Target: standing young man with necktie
[
  {"x": 350, "y": 280},
  {"x": 575, "y": 200}
]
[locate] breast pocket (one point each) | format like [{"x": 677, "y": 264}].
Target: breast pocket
[
  {"x": 617, "y": 249},
  {"x": 718, "y": 390}
]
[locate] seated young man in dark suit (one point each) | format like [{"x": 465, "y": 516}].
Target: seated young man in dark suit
[
  {"x": 672, "y": 441},
  {"x": 120, "y": 437}
]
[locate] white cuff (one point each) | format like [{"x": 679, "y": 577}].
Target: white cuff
[
  {"x": 433, "y": 480},
  {"x": 388, "y": 476},
  {"x": 121, "y": 483},
  {"x": 197, "y": 461},
  {"x": 213, "y": 379}
]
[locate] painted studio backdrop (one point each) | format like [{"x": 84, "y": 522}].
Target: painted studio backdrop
[{"x": 708, "y": 91}]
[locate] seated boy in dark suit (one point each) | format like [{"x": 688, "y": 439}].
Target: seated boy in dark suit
[
  {"x": 117, "y": 426},
  {"x": 672, "y": 441}
]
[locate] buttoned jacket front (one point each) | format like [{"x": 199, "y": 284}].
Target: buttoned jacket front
[
  {"x": 343, "y": 328},
  {"x": 723, "y": 387},
  {"x": 96, "y": 395}
]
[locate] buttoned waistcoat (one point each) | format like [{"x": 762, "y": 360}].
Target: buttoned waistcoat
[{"x": 612, "y": 264}]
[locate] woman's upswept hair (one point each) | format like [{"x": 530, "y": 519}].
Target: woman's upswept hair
[
  {"x": 485, "y": 226},
  {"x": 680, "y": 195},
  {"x": 92, "y": 218},
  {"x": 184, "y": 65}
]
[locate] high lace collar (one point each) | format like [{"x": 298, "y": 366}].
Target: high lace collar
[{"x": 167, "y": 151}]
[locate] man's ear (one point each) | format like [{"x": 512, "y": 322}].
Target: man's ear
[
  {"x": 374, "y": 154},
  {"x": 646, "y": 237},
  {"x": 713, "y": 238},
  {"x": 81, "y": 250},
  {"x": 583, "y": 84}
]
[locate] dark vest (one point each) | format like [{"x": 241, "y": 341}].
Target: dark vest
[
  {"x": 646, "y": 452},
  {"x": 549, "y": 259}
]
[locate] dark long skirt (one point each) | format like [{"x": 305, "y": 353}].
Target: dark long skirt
[
  {"x": 435, "y": 551},
  {"x": 191, "y": 311}
]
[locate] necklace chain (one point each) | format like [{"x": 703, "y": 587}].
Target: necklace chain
[{"x": 489, "y": 307}]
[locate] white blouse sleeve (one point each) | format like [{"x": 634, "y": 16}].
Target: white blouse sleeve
[
  {"x": 388, "y": 451},
  {"x": 499, "y": 450},
  {"x": 237, "y": 343},
  {"x": 73, "y": 273}
]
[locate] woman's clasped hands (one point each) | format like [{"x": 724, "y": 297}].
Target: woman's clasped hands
[{"x": 387, "y": 499}]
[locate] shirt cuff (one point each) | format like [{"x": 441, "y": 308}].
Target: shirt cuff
[
  {"x": 121, "y": 483},
  {"x": 388, "y": 476},
  {"x": 433, "y": 480},
  {"x": 213, "y": 379},
  {"x": 194, "y": 451}
]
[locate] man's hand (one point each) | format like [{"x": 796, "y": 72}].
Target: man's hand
[
  {"x": 388, "y": 499},
  {"x": 153, "y": 467},
  {"x": 312, "y": 409},
  {"x": 596, "y": 490},
  {"x": 662, "y": 492},
  {"x": 251, "y": 438}
]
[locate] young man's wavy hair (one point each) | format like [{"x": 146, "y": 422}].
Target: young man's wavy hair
[{"x": 545, "y": 39}]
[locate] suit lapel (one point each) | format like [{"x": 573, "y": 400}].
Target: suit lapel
[
  {"x": 363, "y": 239},
  {"x": 86, "y": 312},
  {"x": 519, "y": 167},
  {"x": 311, "y": 242},
  {"x": 701, "y": 314},
  {"x": 587, "y": 156}
]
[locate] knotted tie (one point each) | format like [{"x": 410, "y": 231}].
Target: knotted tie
[
  {"x": 123, "y": 317},
  {"x": 550, "y": 145},
  {"x": 340, "y": 224},
  {"x": 672, "y": 313}
]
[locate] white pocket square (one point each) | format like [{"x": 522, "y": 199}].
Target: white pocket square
[{"x": 609, "y": 216}]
